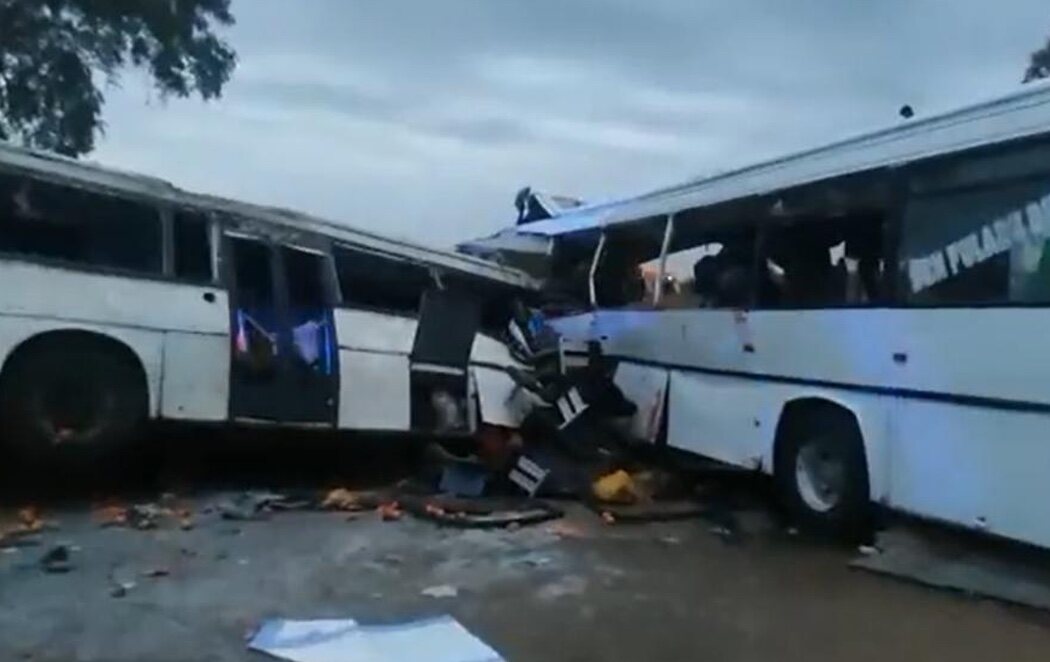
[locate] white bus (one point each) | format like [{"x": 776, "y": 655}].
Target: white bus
[
  {"x": 867, "y": 321},
  {"x": 124, "y": 299}
]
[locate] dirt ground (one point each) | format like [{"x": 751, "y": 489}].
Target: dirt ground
[{"x": 575, "y": 590}]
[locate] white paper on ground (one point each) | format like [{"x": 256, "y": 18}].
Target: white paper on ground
[{"x": 440, "y": 639}]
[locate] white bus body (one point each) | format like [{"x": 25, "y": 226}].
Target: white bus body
[
  {"x": 101, "y": 269},
  {"x": 937, "y": 365}
]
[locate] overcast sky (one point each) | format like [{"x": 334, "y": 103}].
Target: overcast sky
[{"x": 421, "y": 118}]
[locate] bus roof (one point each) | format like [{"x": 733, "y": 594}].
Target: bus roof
[
  {"x": 110, "y": 180},
  {"x": 1019, "y": 115}
]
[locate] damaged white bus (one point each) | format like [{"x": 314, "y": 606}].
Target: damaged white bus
[
  {"x": 865, "y": 321},
  {"x": 124, "y": 299}
]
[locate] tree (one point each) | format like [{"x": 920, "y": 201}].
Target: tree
[
  {"x": 1039, "y": 67},
  {"x": 55, "y": 54}
]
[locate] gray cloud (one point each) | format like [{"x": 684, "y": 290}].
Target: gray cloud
[{"x": 422, "y": 118}]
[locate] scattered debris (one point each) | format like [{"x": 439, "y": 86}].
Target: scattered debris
[
  {"x": 110, "y": 515},
  {"x": 528, "y": 475},
  {"x": 617, "y": 487},
  {"x": 343, "y": 499},
  {"x": 534, "y": 560},
  {"x": 56, "y": 560},
  {"x": 571, "y": 585},
  {"x": 250, "y": 506},
  {"x": 443, "y": 638},
  {"x": 22, "y": 532},
  {"x": 155, "y": 573},
  {"x": 144, "y": 516},
  {"x": 389, "y": 512},
  {"x": 120, "y": 589},
  {"x": 464, "y": 479},
  {"x": 567, "y": 529},
  {"x": 441, "y": 591},
  {"x": 482, "y": 514}
]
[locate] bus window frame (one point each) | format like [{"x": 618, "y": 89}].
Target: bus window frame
[
  {"x": 342, "y": 304},
  {"x": 160, "y": 275}
]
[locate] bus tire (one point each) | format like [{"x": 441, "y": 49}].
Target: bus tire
[
  {"x": 822, "y": 474},
  {"x": 73, "y": 390}
]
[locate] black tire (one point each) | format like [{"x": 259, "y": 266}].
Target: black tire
[
  {"x": 839, "y": 506},
  {"x": 71, "y": 391}
]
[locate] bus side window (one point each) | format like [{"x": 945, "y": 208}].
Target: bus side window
[
  {"x": 45, "y": 220},
  {"x": 816, "y": 261},
  {"x": 977, "y": 246},
  {"x": 628, "y": 267},
  {"x": 708, "y": 269},
  {"x": 378, "y": 282},
  {"x": 192, "y": 247}
]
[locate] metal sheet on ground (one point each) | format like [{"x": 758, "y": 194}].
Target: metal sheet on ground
[
  {"x": 950, "y": 560},
  {"x": 440, "y": 639}
]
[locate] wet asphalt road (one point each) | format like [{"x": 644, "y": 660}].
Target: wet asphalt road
[{"x": 577, "y": 590}]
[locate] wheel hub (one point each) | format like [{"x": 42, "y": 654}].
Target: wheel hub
[{"x": 820, "y": 473}]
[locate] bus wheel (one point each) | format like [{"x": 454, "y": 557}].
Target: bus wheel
[
  {"x": 72, "y": 391},
  {"x": 822, "y": 474}
]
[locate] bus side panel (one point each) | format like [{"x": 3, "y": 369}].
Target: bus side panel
[
  {"x": 196, "y": 381},
  {"x": 501, "y": 402},
  {"x": 374, "y": 392},
  {"x": 646, "y": 387},
  {"x": 956, "y": 458},
  {"x": 147, "y": 345},
  {"x": 43, "y": 291},
  {"x": 735, "y": 420},
  {"x": 977, "y": 467},
  {"x": 140, "y": 312}
]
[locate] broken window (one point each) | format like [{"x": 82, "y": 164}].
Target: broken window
[
  {"x": 45, "y": 220},
  {"x": 255, "y": 316},
  {"x": 628, "y": 266},
  {"x": 308, "y": 297},
  {"x": 374, "y": 281},
  {"x": 191, "y": 234},
  {"x": 254, "y": 274},
  {"x": 709, "y": 268},
  {"x": 816, "y": 261},
  {"x": 977, "y": 246}
]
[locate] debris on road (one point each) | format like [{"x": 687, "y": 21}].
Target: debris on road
[
  {"x": 156, "y": 573},
  {"x": 390, "y": 511},
  {"x": 249, "y": 506},
  {"x": 492, "y": 513},
  {"x": 56, "y": 560},
  {"x": 441, "y": 591},
  {"x": 443, "y": 638},
  {"x": 24, "y": 530},
  {"x": 616, "y": 487},
  {"x": 344, "y": 499}
]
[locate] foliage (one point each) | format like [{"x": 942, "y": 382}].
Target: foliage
[
  {"x": 56, "y": 54},
  {"x": 1039, "y": 67}
]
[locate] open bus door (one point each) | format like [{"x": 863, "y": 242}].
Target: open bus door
[
  {"x": 442, "y": 390},
  {"x": 284, "y": 360}
]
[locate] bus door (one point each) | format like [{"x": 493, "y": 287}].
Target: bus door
[
  {"x": 283, "y": 366},
  {"x": 442, "y": 397}
]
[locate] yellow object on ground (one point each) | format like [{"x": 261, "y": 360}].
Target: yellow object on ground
[{"x": 617, "y": 487}]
